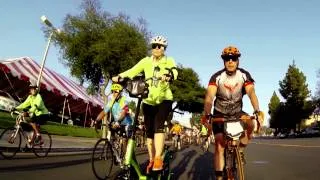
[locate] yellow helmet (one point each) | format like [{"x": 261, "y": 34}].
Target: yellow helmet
[{"x": 116, "y": 87}]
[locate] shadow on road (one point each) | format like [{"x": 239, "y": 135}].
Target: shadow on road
[
  {"x": 202, "y": 167},
  {"x": 33, "y": 167},
  {"x": 179, "y": 169}
]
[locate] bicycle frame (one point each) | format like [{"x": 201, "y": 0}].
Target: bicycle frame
[
  {"x": 232, "y": 148},
  {"x": 130, "y": 158},
  {"x": 20, "y": 119}
]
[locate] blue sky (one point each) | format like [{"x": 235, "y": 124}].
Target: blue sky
[{"x": 270, "y": 34}]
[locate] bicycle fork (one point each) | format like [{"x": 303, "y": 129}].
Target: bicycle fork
[{"x": 14, "y": 135}]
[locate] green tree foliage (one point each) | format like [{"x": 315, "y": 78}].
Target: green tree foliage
[
  {"x": 273, "y": 109},
  {"x": 294, "y": 90},
  {"x": 96, "y": 43},
  {"x": 317, "y": 95},
  {"x": 187, "y": 91},
  {"x": 195, "y": 119},
  {"x": 132, "y": 105}
]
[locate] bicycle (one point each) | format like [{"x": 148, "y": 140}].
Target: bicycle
[
  {"x": 114, "y": 143},
  {"x": 176, "y": 142},
  {"x": 108, "y": 151},
  {"x": 138, "y": 88},
  {"x": 12, "y": 136},
  {"x": 234, "y": 168},
  {"x": 204, "y": 143}
]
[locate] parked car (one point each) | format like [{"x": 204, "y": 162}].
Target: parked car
[
  {"x": 6, "y": 101},
  {"x": 310, "y": 132}
]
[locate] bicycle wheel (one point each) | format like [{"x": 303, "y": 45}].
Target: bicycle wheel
[
  {"x": 10, "y": 142},
  {"x": 239, "y": 171},
  {"x": 102, "y": 159},
  {"x": 43, "y": 148}
]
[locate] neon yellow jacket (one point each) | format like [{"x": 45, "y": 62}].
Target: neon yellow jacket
[
  {"x": 158, "y": 90},
  {"x": 36, "y": 103},
  {"x": 204, "y": 130}
]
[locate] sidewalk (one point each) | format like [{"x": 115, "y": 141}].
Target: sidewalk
[{"x": 68, "y": 143}]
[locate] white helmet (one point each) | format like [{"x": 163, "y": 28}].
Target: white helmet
[
  {"x": 159, "y": 40},
  {"x": 32, "y": 84}
]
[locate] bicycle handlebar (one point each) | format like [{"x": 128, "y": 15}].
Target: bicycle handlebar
[{"x": 245, "y": 118}]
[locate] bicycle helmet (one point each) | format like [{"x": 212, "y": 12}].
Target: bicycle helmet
[
  {"x": 230, "y": 51},
  {"x": 116, "y": 87},
  {"x": 32, "y": 84},
  {"x": 159, "y": 40}
]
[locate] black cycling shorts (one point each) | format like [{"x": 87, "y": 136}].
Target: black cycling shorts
[
  {"x": 41, "y": 119},
  {"x": 155, "y": 116}
]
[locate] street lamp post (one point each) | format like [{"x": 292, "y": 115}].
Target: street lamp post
[{"x": 53, "y": 30}]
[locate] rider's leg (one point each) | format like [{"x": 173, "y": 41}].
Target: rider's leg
[
  {"x": 159, "y": 139},
  {"x": 161, "y": 116},
  {"x": 149, "y": 115},
  {"x": 218, "y": 130},
  {"x": 35, "y": 128},
  {"x": 219, "y": 154},
  {"x": 247, "y": 135},
  {"x": 179, "y": 142},
  {"x": 151, "y": 149}
]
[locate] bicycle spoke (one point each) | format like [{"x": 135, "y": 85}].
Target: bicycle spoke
[
  {"x": 10, "y": 142},
  {"x": 102, "y": 159},
  {"x": 43, "y": 147}
]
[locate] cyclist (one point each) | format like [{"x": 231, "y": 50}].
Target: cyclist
[
  {"x": 228, "y": 86},
  {"x": 118, "y": 106},
  {"x": 157, "y": 106},
  {"x": 37, "y": 111},
  {"x": 176, "y": 130},
  {"x": 204, "y": 134}
]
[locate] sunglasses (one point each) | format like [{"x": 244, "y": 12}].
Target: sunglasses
[
  {"x": 228, "y": 58},
  {"x": 115, "y": 91},
  {"x": 154, "y": 46}
]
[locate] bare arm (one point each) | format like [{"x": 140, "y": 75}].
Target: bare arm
[
  {"x": 253, "y": 97},
  {"x": 210, "y": 94},
  {"x": 100, "y": 116},
  {"x": 122, "y": 115}
]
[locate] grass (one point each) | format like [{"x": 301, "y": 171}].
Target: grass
[{"x": 54, "y": 128}]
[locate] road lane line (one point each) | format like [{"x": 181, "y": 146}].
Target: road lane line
[{"x": 287, "y": 145}]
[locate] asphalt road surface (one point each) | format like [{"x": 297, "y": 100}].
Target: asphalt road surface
[{"x": 266, "y": 159}]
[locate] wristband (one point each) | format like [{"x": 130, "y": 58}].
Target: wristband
[{"x": 256, "y": 112}]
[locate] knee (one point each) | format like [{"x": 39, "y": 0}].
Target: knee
[
  {"x": 219, "y": 149},
  {"x": 159, "y": 130}
]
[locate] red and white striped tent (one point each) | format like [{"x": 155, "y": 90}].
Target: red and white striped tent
[{"x": 56, "y": 89}]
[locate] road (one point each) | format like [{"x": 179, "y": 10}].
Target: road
[{"x": 274, "y": 159}]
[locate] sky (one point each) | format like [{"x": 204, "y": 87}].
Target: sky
[{"x": 270, "y": 35}]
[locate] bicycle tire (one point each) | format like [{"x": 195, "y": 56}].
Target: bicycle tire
[
  {"x": 44, "y": 148},
  {"x": 10, "y": 150},
  {"x": 239, "y": 165},
  {"x": 102, "y": 154}
]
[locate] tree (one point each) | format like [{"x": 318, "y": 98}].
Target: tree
[
  {"x": 187, "y": 91},
  {"x": 195, "y": 119},
  {"x": 132, "y": 105},
  {"x": 273, "y": 108},
  {"x": 96, "y": 43},
  {"x": 317, "y": 95},
  {"x": 294, "y": 90}
]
